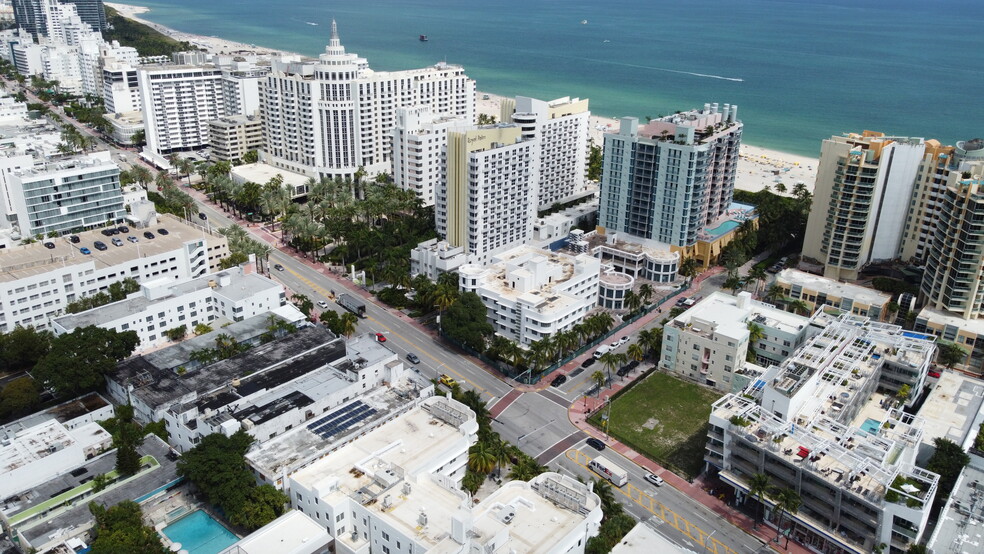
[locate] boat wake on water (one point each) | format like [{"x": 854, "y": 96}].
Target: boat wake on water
[{"x": 668, "y": 70}]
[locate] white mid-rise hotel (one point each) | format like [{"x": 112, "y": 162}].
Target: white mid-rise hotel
[
  {"x": 331, "y": 116},
  {"x": 419, "y": 139},
  {"x": 396, "y": 490},
  {"x": 532, "y": 294},
  {"x": 561, "y": 126}
]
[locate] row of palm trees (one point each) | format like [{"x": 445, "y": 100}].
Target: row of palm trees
[
  {"x": 544, "y": 352},
  {"x": 648, "y": 345},
  {"x": 784, "y": 500},
  {"x": 72, "y": 140}
]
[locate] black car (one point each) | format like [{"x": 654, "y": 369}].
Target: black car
[
  {"x": 589, "y": 362},
  {"x": 162, "y": 231},
  {"x": 49, "y": 245},
  {"x": 148, "y": 235},
  {"x": 558, "y": 381},
  {"x": 623, "y": 371},
  {"x": 596, "y": 444},
  {"x": 74, "y": 239},
  {"x": 107, "y": 233},
  {"x": 123, "y": 229},
  {"x": 100, "y": 245},
  {"x": 278, "y": 267}
]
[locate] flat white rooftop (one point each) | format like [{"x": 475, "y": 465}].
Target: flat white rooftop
[
  {"x": 942, "y": 317},
  {"x": 952, "y": 407},
  {"x": 834, "y": 288},
  {"x": 290, "y": 533}
]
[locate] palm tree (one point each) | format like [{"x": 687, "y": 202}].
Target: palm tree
[
  {"x": 636, "y": 351},
  {"x": 599, "y": 378},
  {"x": 444, "y": 297},
  {"x": 799, "y": 307},
  {"x": 349, "y": 322},
  {"x": 758, "y": 275},
  {"x": 540, "y": 353},
  {"x": 609, "y": 505},
  {"x": 734, "y": 283},
  {"x": 689, "y": 269},
  {"x": 786, "y": 501},
  {"x": 755, "y": 334},
  {"x": 632, "y": 301},
  {"x": 472, "y": 481},
  {"x": 651, "y": 341},
  {"x": 481, "y": 459},
  {"x": 647, "y": 292},
  {"x": 514, "y": 354},
  {"x": 500, "y": 450},
  {"x": 774, "y": 293},
  {"x": 612, "y": 361},
  {"x": 758, "y": 486}
]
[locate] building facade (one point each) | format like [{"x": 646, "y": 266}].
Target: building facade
[
  {"x": 38, "y": 282},
  {"x": 178, "y": 101},
  {"x": 233, "y": 136},
  {"x": 65, "y": 195},
  {"x": 231, "y": 295},
  {"x": 419, "y": 139},
  {"x": 669, "y": 179},
  {"x": 709, "y": 343},
  {"x": 817, "y": 292},
  {"x": 397, "y": 490},
  {"x": 861, "y": 200},
  {"x": 829, "y": 425},
  {"x": 483, "y": 203},
  {"x": 332, "y": 116},
  {"x": 561, "y": 127},
  {"x": 533, "y": 294}
]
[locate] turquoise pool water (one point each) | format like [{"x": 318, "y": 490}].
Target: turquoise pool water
[
  {"x": 723, "y": 228},
  {"x": 871, "y": 426},
  {"x": 198, "y": 533}
]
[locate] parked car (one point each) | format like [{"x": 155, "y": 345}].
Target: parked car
[
  {"x": 132, "y": 238},
  {"x": 588, "y": 363},
  {"x": 75, "y": 239},
  {"x": 49, "y": 245},
  {"x": 934, "y": 374},
  {"x": 621, "y": 341},
  {"x": 447, "y": 381},
  {"x": 654, "y": 479},
  {"x": 558, "y": 381},
  {"x": 412, "y": 358},
  {"x": 85, "y": 250},
  {"x": 148, "y": 235},
  {"x": 106, "y": 233},
  {"x": 100, "y": 245},
  {"x": 162, "y": 231},
  {"x": 123, "y": 229},
  {"x": 117, "y": 242},
  {"x": 380, "y": 337},
  {"x": 596, "y": 444},
  {"x": 322, "y": 304}
]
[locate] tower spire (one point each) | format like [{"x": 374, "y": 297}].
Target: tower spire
[{"x": 335, "y": 41}]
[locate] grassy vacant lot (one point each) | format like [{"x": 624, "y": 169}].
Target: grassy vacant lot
[{"x": 665, "y": 419}]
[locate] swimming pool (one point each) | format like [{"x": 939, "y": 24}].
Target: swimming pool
[
  {"x": 723, "y": 228},
  {"x": 198, "y": 533},
  {"x": 871, "y": 426}
]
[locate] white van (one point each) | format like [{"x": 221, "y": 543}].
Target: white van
[{"x": 602, "y": 350}]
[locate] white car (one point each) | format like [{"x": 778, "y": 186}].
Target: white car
[
  {"x": 654, "y": 479},
  {"x": 322, "y": 304},
  {"x": 621, "y": 341}
]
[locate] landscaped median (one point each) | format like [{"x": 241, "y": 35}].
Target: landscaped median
[{"x": 663, "y": 418}]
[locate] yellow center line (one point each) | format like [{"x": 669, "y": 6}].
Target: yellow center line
[
  {"x": 324, "y": 292},
  {"x": 657, "y": 508}
]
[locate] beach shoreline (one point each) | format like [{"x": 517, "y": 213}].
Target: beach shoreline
[{"x": 758, "y": 167}]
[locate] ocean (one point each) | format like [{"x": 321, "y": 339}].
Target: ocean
[{"x": 799, "y": 70}]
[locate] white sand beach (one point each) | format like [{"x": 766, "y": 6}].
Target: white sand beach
[{"x": 757, "y": 167}]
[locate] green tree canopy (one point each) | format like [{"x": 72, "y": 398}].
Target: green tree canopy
[
  {"x": 21, "y": 348},
  {"x": 20, "y": 397},
  {"x": 466, "y": 322},
  {"x": 218, "y": 468},
  {"x": 948, "y": 461},
  {"x": 949, "y": 353},
  {"x": 120, "y": 529},
  {"x": 78, "y": 361}
]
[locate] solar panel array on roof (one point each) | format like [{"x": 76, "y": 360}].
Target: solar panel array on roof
[{"x": 340, "y": 420}]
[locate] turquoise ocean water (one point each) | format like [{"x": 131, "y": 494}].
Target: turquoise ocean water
[{"x": 800, "y": 70}]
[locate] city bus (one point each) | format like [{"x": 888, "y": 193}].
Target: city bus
[{"x": 609, "y": 471}]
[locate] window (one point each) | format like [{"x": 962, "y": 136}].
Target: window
[{"x": 386, "y": 536}]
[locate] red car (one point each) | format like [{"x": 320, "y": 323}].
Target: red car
[
  {"x": 380, "y": 337},
  {"x": 934, "y": 374}
]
